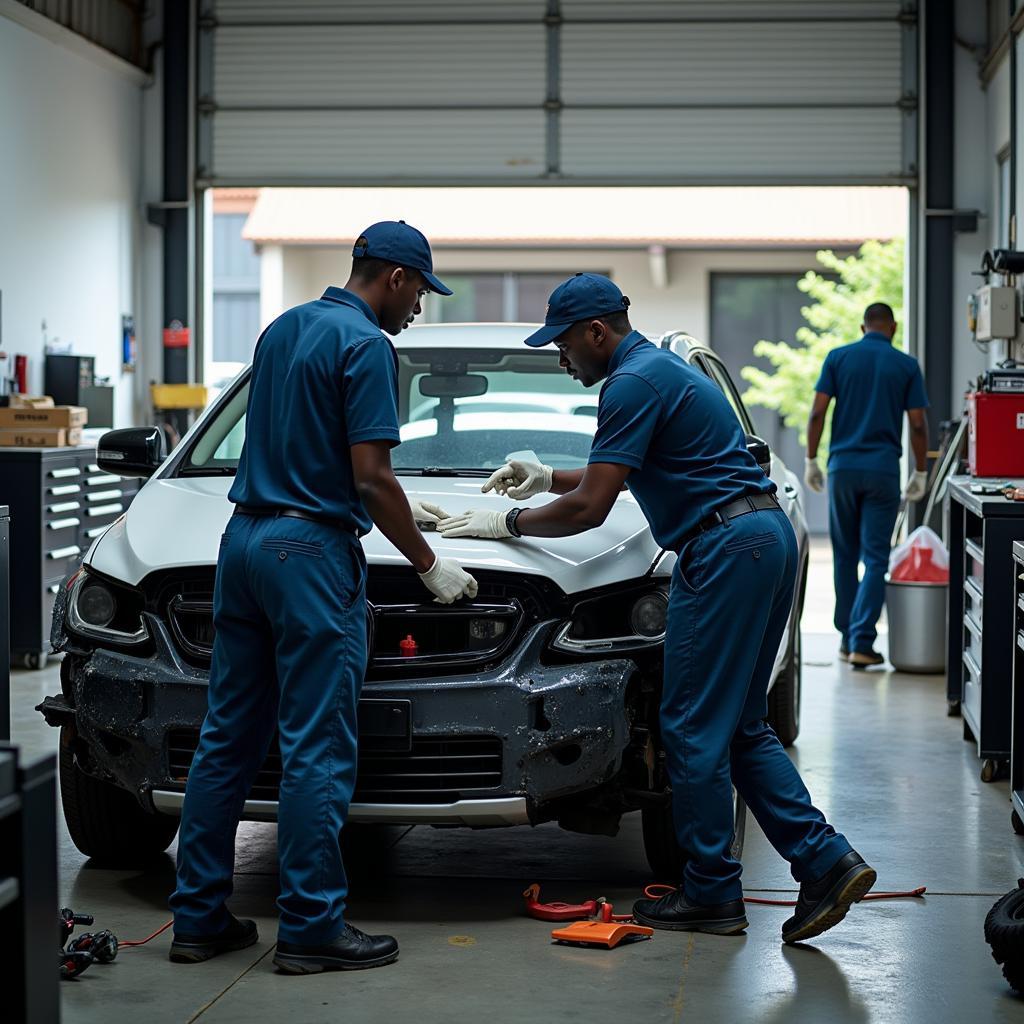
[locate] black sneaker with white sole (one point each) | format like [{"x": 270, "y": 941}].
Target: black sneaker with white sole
[
  {"x": 194, "y": 949},
  {"x": 352, "y": 950},
  {"x": 676, "y": 913},
  {"x": 822, "y": 904}
]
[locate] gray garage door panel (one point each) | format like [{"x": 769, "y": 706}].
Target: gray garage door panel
[
  {"x": 361, "y": 65},
  {"x": 335, "y": 92},
  {"x": 322, "y": 147},
  {"x": 697, "y": 64},
  {"x": 734, "y": 145}
]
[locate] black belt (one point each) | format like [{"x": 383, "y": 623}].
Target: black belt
[
  {"x": 740, "y": 507},
  {"x": 293, "y": 513}
]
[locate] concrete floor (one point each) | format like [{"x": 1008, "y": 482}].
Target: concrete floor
[{"x": 880, "y": 758}]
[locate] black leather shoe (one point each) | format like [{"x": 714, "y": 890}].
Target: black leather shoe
[
  {"x": 822, "y": 904},
  {"x": 676, "y": 913},
  {"x": 352, "y": 950},
  {"x": 193, "y": 949}
]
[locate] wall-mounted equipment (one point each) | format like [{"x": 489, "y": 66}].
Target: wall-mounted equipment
[{"x": 996, "y": 312}]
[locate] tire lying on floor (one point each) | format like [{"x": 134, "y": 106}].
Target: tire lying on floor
[
  {"x": 107, "y": 823},
  {"x": 1004, "y": 932}
]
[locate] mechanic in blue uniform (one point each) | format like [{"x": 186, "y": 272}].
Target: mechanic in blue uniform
[
  {"x": 668, "y": 433},
  {"x": 873, "y": 384},
  {"x": 289, "y": 606}
]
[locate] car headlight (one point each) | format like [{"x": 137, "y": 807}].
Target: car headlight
[
  {"x": 103, "y": 610},
  {"x": 616, "y": 621}
]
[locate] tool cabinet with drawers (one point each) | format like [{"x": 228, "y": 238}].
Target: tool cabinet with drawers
[{"x": 60, "y": 502}]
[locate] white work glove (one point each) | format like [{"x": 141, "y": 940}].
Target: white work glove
[
  {"x": 916, "y": 485},
  {"x": 425, "y": 512},
  {"x": 813, "y": 476},
  {"x": 448, "y": 581},
  {"x": 519, "y": 480},
  {"x": 475, "y": 523}
]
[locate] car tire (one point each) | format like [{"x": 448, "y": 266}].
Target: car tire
[
  {"x": 1004, "y": 932},
  {"x": 784, "y": 696},
  {"x": 666, "y": 857},
  {"x": 106, "y": 823}
]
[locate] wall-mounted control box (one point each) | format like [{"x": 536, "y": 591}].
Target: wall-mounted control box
[{"x": 997, "y": 312}]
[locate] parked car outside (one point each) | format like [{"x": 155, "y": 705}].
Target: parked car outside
[{"x": 536, "y": 701}]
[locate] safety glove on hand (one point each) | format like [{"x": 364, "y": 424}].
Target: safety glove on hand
[
  {"x": 426, "y": 512},
  {"x": 448, "y": 581},
  {"x": 916, "y": 486},
  {"x": 519, "y": 480},
  {"x": 475, "y": 523},
  {"x": 813, "y": 476}
]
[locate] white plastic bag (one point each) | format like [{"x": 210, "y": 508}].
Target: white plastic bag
[{"x": 921, "y": 558}]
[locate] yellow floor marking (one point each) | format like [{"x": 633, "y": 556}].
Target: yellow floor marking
[{"x": 680, "y": 1000}]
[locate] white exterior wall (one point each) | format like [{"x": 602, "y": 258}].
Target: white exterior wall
[
  {"x": 684, "y": 304},
  {"x": 70, "y": 202}
]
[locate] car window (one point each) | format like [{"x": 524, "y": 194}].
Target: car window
[
  {"x": 716, "y": 370},
  {"x": 496, "y": 404}
]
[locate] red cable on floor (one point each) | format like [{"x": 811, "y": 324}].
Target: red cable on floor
[{"x": 142, "y": 942}]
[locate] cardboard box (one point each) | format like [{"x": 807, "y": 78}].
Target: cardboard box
[
  {"x": 66, "y": 416},
  {"x": 40, "y": 437},
  {"x": 19, "y": 401}
]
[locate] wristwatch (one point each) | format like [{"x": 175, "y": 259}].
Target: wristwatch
[{"x": 510, "y": 522}]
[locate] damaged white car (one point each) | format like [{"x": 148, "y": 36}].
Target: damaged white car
[{"x": 536, "y": 701}]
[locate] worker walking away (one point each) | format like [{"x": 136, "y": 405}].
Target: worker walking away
[
  {"x": 668, "y": 433},
  {"x": 290, "y": 611},
  {"x": 873, "y": 384}
]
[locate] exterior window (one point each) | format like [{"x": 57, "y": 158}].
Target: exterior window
[
  {"x": 493, "y": 297},
  {"x": 1003, "y": 228},
  {"x": 236, "y": 290}
]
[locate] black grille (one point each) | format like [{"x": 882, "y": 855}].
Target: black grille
[
  {"x": 436, "y": 770},
  {"x": 462, "y": 638}
]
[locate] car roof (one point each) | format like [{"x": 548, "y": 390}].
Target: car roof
[{"x": 495, "y": 335}]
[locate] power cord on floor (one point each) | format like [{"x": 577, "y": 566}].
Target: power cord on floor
[{"x": 653, "y": 892}]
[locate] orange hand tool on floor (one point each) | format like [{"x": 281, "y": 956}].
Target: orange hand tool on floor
[{"x": 603, "y": 927}]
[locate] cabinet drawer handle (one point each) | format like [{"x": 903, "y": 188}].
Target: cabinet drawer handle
[
  {"x": 59, "y": 474},
  {"x": 67, "y": 552},
  {"x": 92, "y": 468},
  {"x": 99, "y": 481},
  {"x": 96, "y": 531},
  {"x": 104, "y": 510},
  {"x": 103, "y": 495},
  {"x": 65, "y": 489},
  {"x": 64, "y": 506},
  {"x": 54, "y": 588},
  {"x": 62, "y": 524}
]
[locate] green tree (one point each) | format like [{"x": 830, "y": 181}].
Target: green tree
[{"x": 874, "y": 274}]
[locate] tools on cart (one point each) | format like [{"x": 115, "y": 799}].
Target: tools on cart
[{"x": 594, "y": 921}]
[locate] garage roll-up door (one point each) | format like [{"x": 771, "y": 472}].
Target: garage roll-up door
[{"x": 342, "y": 92}]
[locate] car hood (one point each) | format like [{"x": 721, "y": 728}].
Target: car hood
[{"x": 177, "y": 522}]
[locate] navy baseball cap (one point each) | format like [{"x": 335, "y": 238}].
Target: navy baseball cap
[
  {"x": 398, "y": 242},
  {"x": 582, "y": 297}
]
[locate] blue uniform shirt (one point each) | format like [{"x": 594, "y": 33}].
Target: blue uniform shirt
[
  {"x": 873, "y": 385},
  {"x": 323, "y": 377},
  {"x": 677, "y": 431}
]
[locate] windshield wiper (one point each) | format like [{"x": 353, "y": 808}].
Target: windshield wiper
[
  {"x": 207, "y": 471},
  {"x": 442, "y": 471}
]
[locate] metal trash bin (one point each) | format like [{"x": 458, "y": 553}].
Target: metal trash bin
[{"x": 917, "y": 625}]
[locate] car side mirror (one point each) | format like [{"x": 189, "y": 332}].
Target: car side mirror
[
  {"x": 761, "y": 452},
  {"x": 133, "y": 451}
]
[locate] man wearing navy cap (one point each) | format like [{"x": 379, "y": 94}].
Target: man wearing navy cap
[
  {"x": 290, "y": 609},
  {"x": 668, "y": 433}
]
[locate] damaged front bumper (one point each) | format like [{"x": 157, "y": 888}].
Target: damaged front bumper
[{"x": 499, "y": 748}]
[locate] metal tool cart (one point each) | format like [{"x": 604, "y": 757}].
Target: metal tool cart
[
  {"x": 60, "y": 501},
  {"x": 1017, "y": 718},
  {"x": 981, "y": 530}
]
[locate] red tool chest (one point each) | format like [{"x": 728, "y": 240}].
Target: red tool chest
[{"x": 995, "y": 434}]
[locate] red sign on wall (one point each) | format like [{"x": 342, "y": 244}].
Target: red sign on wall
[{"x": 177, "y": 336}]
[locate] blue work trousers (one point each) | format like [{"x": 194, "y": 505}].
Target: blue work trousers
[
  {"x": 289, "y": 655},
  {"x": 732, "y": 589},
  {"x": 863, "y": 506}
]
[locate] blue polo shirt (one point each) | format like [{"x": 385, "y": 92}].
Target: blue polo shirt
[
  {"x": 873, "y": 384},
  {"x": 677, "y": 431},
  {"x": 323, "y": 377}
]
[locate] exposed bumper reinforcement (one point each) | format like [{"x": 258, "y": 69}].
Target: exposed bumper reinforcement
[{"x": 482, "y": 813}]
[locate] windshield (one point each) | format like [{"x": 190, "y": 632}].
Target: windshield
[{"x": 459, "y": 409}]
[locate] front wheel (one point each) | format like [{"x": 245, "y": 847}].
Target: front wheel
[
  {"x": 664, "y": 854},
  {"x": 107, "y": 823}
]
